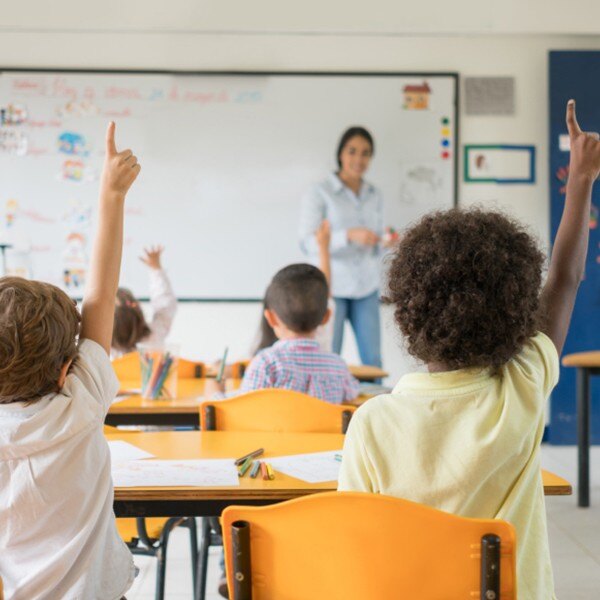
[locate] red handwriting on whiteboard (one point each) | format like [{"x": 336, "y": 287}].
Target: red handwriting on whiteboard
[
  {"x": 205, "y": 97},
  {"x": 125, "y": 112},
  {"x": 25, "y": 84},
  {"x": 61, "y": 89},
  {"x": 121, "y": 93}
]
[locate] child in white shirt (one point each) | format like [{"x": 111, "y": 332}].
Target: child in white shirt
[
  {"x": 130, "y": 326},
  {"x": 58, "y": 537}
]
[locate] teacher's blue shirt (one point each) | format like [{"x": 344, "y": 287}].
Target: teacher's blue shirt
[{"x": 355, "y": 269}]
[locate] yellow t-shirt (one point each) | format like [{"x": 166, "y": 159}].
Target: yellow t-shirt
[{"x": 467, "y": 443}]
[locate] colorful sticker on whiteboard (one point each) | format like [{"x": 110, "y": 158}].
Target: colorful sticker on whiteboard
[
  {"x": 13, "y": 114},
  {"x": 72, "y": 143},
  {"x": 13, "y": 142},
  {"x": 12, "y": 208},
  {"x": 76, "y": 170},
  {"x": 416, "y": 96},
  {"x": 85, "y": 108},
  {"x": 75, "y": 260}
]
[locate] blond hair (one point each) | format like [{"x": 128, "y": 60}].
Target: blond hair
[{"x": 39, "y": 325}]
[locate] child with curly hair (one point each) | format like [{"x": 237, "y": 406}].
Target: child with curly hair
[{"x": 465, "y": 436}]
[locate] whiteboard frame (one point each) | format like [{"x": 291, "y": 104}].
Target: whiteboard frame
[{"x": 418, "y": 74}]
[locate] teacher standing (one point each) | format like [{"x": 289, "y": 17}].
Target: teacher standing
[{"x": 354, "y": 209}]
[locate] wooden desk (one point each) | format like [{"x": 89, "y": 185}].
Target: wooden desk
[
  {"x": 367, "y": 372},
  {"x": 205, "y": 501},
  {"x": 361, "y": 372},
  {"x": 182, "y": 411},
  {"x": 587, "y": 364}
]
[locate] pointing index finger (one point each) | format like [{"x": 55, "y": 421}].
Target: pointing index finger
[
  {"x": 572, "y": 124},
  {"x": 111, "y": 148}
]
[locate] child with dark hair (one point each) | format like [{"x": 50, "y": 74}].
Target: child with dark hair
[
  {"x": 324, "y": 332},
  {"x": 58, "y": 537},
  {"x": 130, "y": 327},
  {"x": 465, "y": 436},
  {"x": 295, "y": 306},
  {"x": 296, "y": 302}
]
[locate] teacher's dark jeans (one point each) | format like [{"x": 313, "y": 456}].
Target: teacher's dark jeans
[{"x": 363, "y": 314}]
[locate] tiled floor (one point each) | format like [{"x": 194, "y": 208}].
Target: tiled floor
[{"x": 574, "y": 542}]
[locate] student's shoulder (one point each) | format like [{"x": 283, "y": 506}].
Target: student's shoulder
[
  {"x": 537, "y": 363},
  {"x": 93, "y": 371},
  {"x": 375, "y": 414}
]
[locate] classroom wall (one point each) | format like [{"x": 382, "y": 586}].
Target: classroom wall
[{"x": 179, "y": 36}]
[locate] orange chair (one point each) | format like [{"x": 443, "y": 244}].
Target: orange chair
[
  {"x": 127, "y": 368},
  {"x": 239, "y": 368},
  {"x": 273, "y": 410},
  {"x": 369, "y": 546},
  {"x": 150, "y": 537}
]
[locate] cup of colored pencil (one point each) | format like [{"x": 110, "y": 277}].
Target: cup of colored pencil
[{"x": 159, "y": 371}]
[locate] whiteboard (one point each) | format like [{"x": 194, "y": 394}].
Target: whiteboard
[{"x": 226, "y": 160}]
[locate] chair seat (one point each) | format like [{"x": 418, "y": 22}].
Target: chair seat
[{"x": 128, "y": 528}]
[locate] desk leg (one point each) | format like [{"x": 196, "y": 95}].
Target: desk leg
[{"x": 583, "y": 436}]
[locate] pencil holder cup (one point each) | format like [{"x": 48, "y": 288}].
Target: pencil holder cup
[{"x": 159, "y": 371}]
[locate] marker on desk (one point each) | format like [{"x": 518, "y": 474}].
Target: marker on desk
[
  {"x": 263, "y": 470},
  {"x": 222, "y": 367},
  {"x": 253, "y": 454},
  {"x": 245, "y": 467},
  {"x": 255, "y": 468},
  {"x": 270, "y": 471}
]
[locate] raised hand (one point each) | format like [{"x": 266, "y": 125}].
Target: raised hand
[
  {"x": 120, "y": 168},
  {"x": 585, "y": 148},
  {"x": 151, "y": 256}
]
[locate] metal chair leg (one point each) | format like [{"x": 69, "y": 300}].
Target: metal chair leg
[
  {"x": 191, "y": 525},
  {"x": 202, "y": 562},
  {"x": 161, "y": 557}
]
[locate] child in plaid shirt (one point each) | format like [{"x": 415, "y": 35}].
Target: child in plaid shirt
[{"x": 295, "y": 306}]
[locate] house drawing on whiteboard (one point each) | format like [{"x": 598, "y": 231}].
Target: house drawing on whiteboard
[{"x": 416, "y": 97}]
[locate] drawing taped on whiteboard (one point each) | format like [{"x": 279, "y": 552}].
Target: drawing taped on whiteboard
[{"x": 420, "y": 184}]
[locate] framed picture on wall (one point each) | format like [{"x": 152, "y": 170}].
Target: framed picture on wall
[{"x": 497, "y": 163}]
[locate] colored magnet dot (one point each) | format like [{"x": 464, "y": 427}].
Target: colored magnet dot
[
  {"x": 445, "y": 143},
  {"x": 445, "y": 155},
  {"x": 445, "y": 131},
  {"x": 445, "y": 121}
]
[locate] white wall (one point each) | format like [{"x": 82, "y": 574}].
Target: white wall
[{"x": 269, "y": 35}]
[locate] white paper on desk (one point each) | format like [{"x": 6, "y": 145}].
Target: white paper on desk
[
  {"x": 315, "y": 467},
  {"x": 176, "y": 473},
  {"x": 122, "y": 451}
]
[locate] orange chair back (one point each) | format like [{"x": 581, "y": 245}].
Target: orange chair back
[
  {"x": 127, "y": 368},
  {"x": 353, "y": 546},
  {"x": 239, "y": 368},
  {"x": 276, "y": 411}
]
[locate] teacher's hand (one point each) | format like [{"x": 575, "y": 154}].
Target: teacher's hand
[{"x": 362, "y": 236}]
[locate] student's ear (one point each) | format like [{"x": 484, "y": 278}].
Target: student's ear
[
  {"x": 271, "y": 318},
  {"x": 63, "y": 373},
  {"x": 326, "y": 317}
]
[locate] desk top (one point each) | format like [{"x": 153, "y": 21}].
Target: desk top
[
  {"x": 582, "y": 359},
  {"x": 220, "y": 444},
  {"x": 361, "y": 372},
  {"x": 187, "y": 402}
]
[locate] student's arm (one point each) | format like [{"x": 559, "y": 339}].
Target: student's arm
[
  {"x": 120, "y": 171},
  {"x": 567, "y": 264},
  {"x": 162, "y": 299},
  {"x": 323, "y": 236}
]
